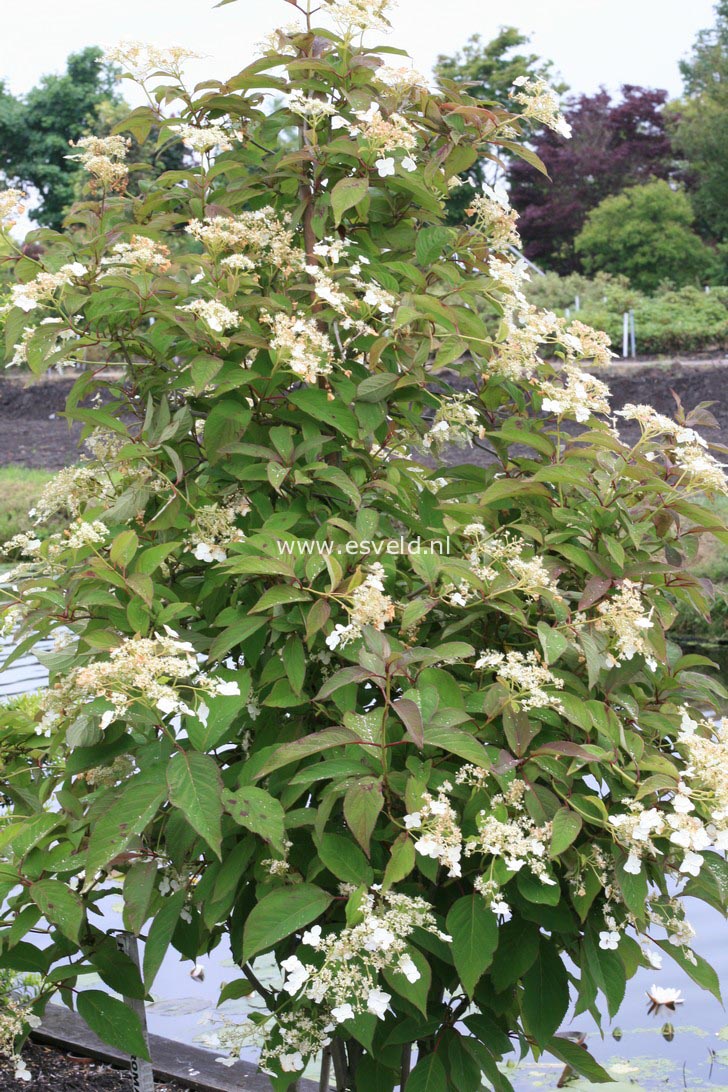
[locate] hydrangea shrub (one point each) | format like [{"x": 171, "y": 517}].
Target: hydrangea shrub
[{"x": 410, "y": 721}]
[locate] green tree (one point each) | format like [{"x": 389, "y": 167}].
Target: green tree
[
  {"x": 415, "y": 779},
  {"x": 487, "y": 70},
  {"x": 646, "y": 233},
  {"x": 701, "y": 125},
  {"x": 35, "y": 130}
]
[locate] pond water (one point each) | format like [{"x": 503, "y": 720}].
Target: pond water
[{"x": 634, "y": 1047}]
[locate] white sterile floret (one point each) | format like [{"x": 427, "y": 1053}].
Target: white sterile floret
[{"x": 378, "y": 1002}]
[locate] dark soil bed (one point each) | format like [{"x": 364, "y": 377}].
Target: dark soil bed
[
  {"x": 33, "y": 433},
  {"x": 53, "y": 1071}
]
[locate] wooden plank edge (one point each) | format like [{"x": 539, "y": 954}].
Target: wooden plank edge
[{"x": 172, "y": 1061}]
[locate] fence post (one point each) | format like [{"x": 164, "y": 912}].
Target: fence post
[
  {"x": 632, "y": 338},
  {"x": 625, "y": 335},
  {"x": 142, "y": 1073}
]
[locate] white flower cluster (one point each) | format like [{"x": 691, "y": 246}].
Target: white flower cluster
[
  {"x": 141, "y": 669},
  {"x": 33, "y": 293},
  {"x": 706, "y": 744},
  {"x": 692, "y": 461},
  {"x": 528, "y": 679},
  {"x": 314, "y": 110},
  {"x": 214, "y": 314},
  {"x": 205, "y": 139},
  {"x": 301, "y": 345},
  {"x": 103, "y": 158},
  {"x": 585, "y": 342},
  {"x": 382, "y": 134},
  {"x": 704, "y": 473},
  {"x": 277, "y": 41},
  {"x": 493, "y": 556},
  {"x": 403, "y": 82},
  {"x": 580, "y": 397},
  {"x": 14, "y": 1021},
  {"x": 370, "y": 607},
  {"x": 355, "y": 299},
  {"x": 255, "y": 237},
  {"x": 456, "y": 422},
  {"x": 142, "y": 60},
  {"x": 541, "y": 103},
  {"x": 515, "y": 839},
  {"x": 12, "y": 205},
  {"x": 495, "y": 218},
  {"x": 21, "y": 348},
  {"x": 438, "y": 831},
  {"x": 624, "y": 618},
  {"x": 214, "y": 528},
  {"x": 705, "y": 782},
  {"x": 352, "y": 16},
  {"x": 140, "y": 253},
  {"x": 343, "y": 981}
]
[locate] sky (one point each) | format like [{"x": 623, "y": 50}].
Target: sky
[{"x": 592, "y": 42}]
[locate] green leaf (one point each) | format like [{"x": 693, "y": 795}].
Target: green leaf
[
  {"x": 362, "y": 804},
  {"x": 633, "y": 888},
  {"x": 375, "y": 388},
  {"x": 123, "y": 548},
  {"x": 474, "y": 931},
  {"x": 279, "y": 596},
  {"x": 118, "y": 971},
  {"x": 518, "y": 944},
  {"x": 545, "y": 997},
  {"x": 401, "y": 862},
  {"x": 294, "y": 661},
  {"x": 280, "y": 914},
  {"x": 160, "y": 934},
  {"x": 256, "y": 810},
  {"x": 553, "y": 643},
  {"x": 286, "y": 753},
  {"x": 347, "y": 193},
  {"x": 578, "y": 1059},
  {"x": 458, "y": 743},
  {"x": 700, "y": 971},
  {"x": 345, "y": 860},
  {"x": 195, "y": 787},
  {"x": 138, "y": 888},
  {"x": 234, "y": 635},
  {"x": 315, "y": 403},
  {"x": 114, "y": 1022},
  {"x": 565, "y": 828},
  {"x": 430, "y": 243},
  {"x": 232, "y": 991},
  {"x": 137, "y": 803},
  {"x": 60, "y": 905},
  {"x": 427, "y": 1076}
]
